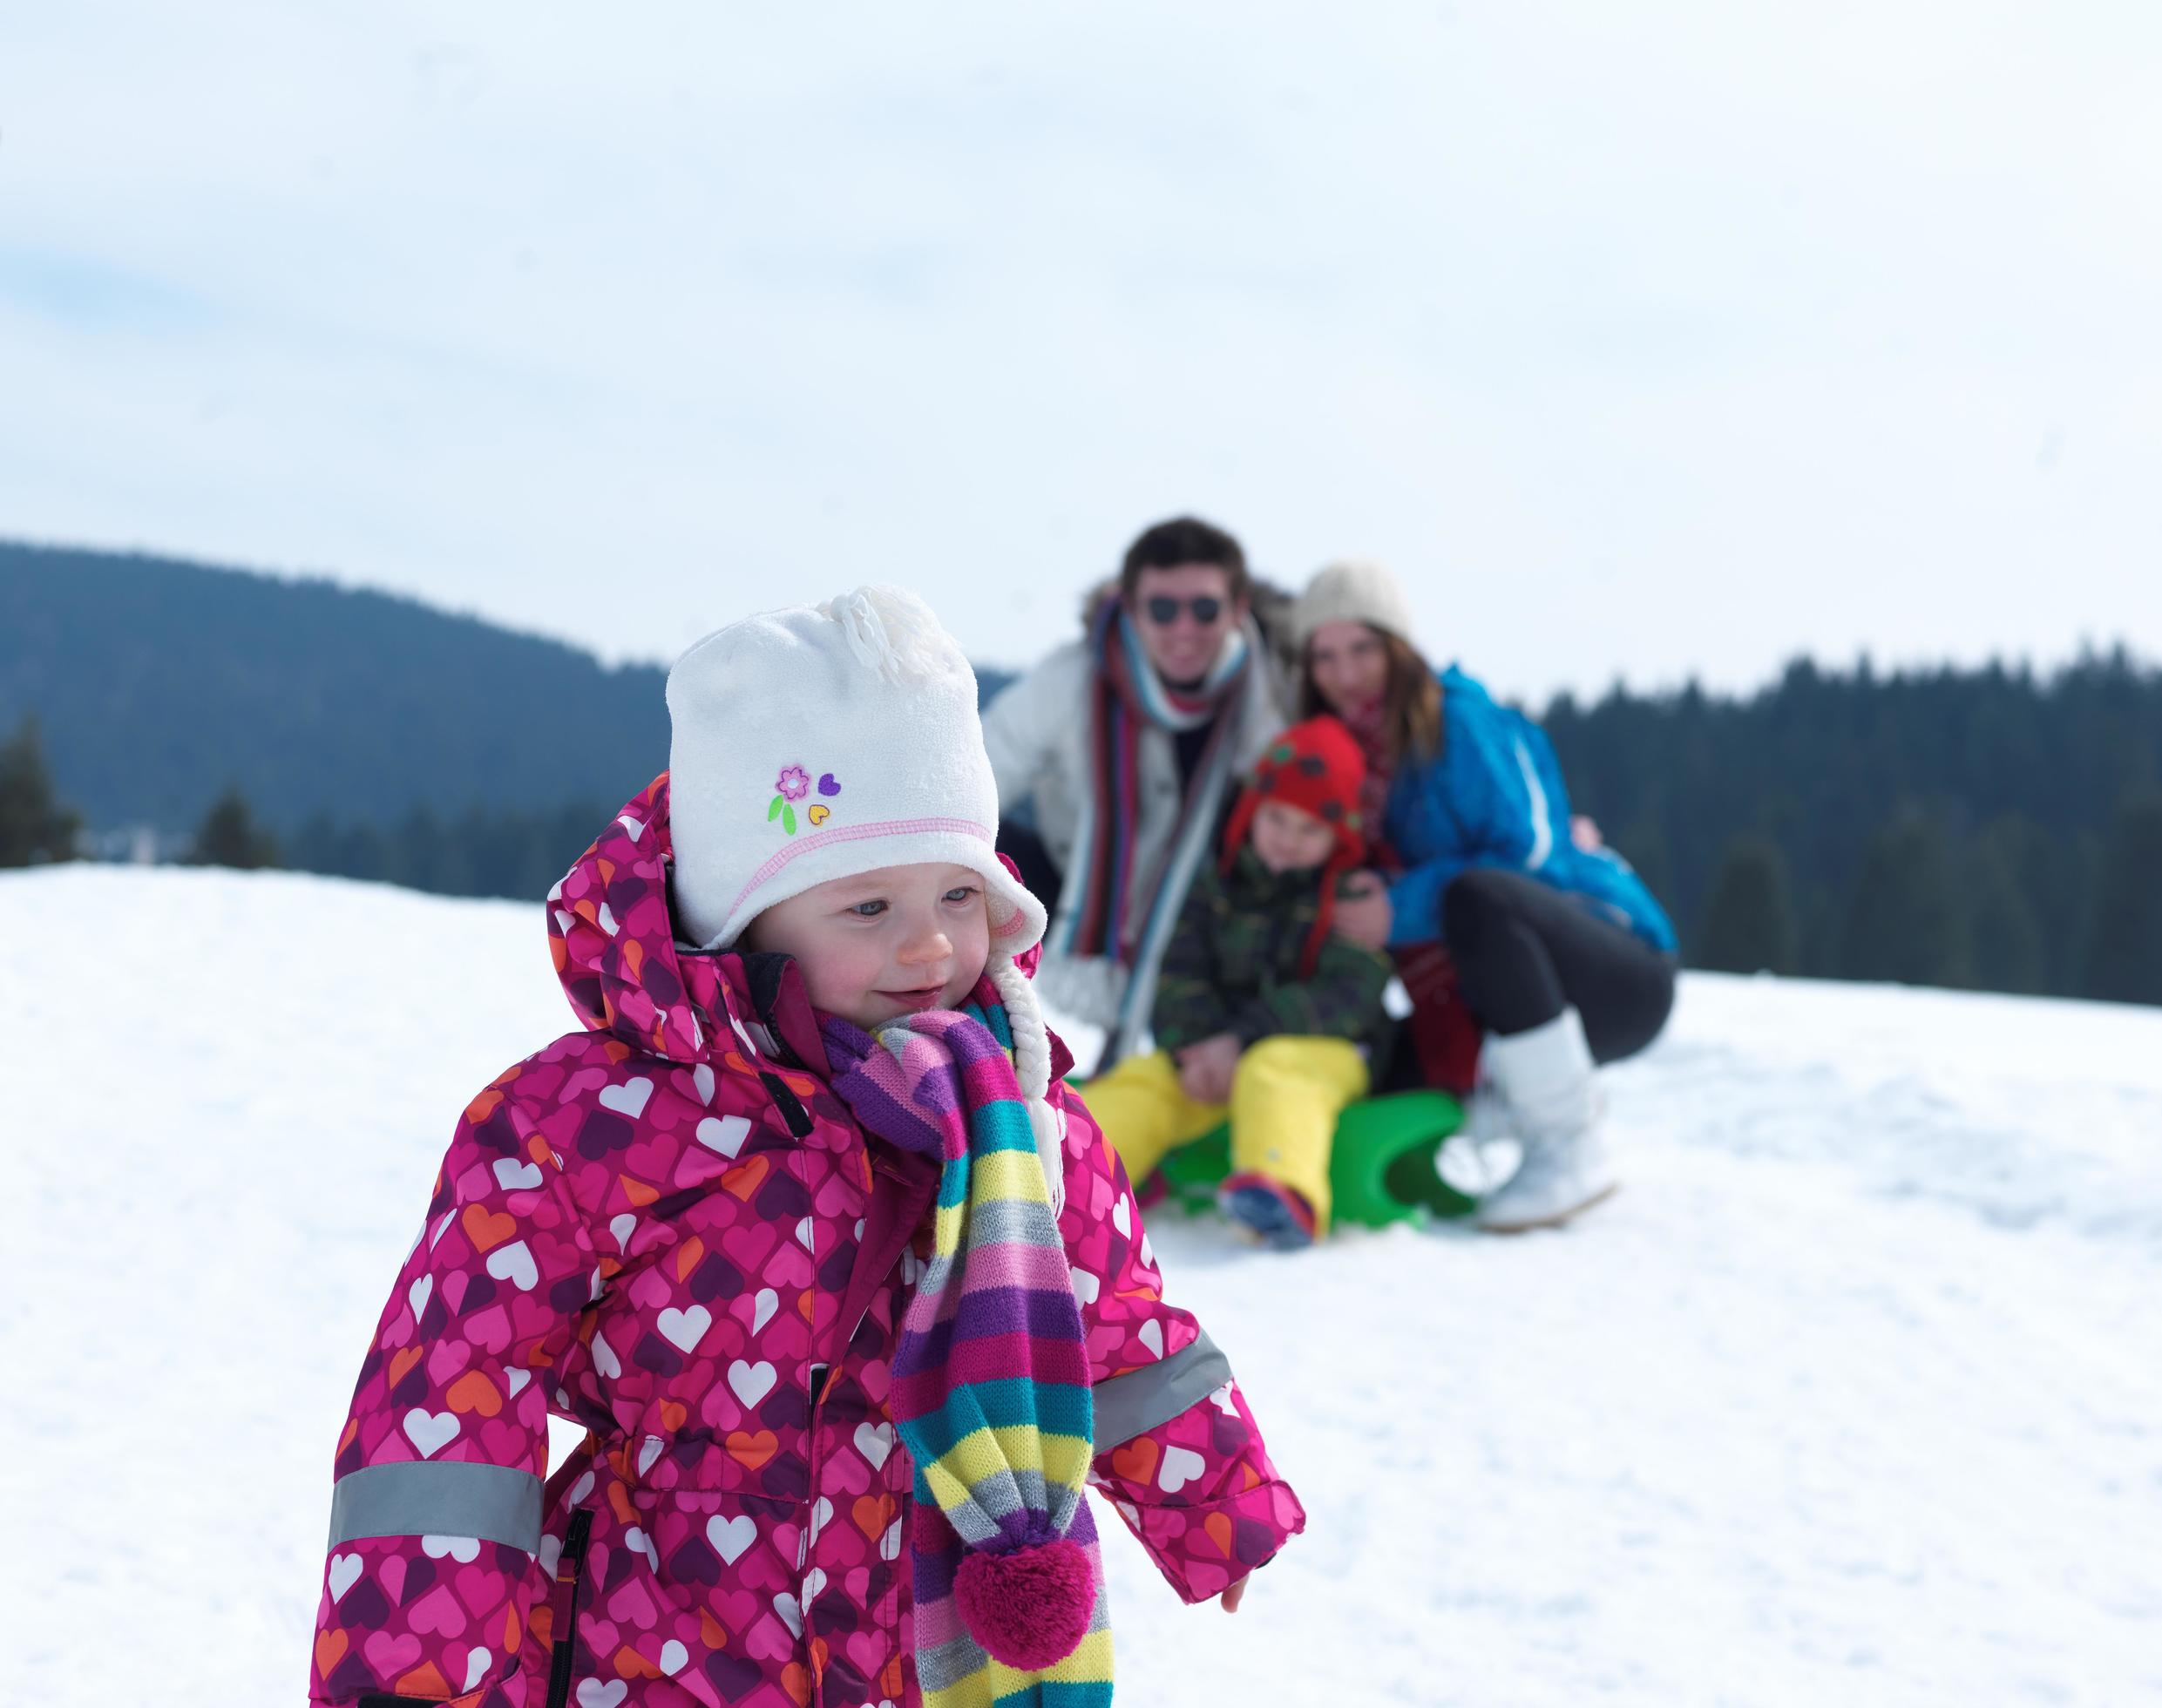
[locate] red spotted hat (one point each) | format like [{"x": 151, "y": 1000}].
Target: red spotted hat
[{"x": 1317, "y": 767}]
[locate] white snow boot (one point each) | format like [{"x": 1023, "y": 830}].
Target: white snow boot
[
  {"x": 1481, "y": 1154},
  {"x": 1546, "y": 1076}
]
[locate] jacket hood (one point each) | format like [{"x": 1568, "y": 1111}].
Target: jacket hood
[
  {"x": 613, "y": 937},
  {"x": 1454, "y": 680}
]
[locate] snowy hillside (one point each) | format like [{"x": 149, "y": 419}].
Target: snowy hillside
[{"x": 1854, "y": 1394}]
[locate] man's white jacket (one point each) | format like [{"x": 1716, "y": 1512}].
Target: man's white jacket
[{"x": 1038, "y": 732}]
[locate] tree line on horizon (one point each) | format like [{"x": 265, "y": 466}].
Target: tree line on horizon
[{"x": 1989, "y": 828}]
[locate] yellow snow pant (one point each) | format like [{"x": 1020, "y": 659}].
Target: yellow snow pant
[{"x": 1286, "y": 1094}]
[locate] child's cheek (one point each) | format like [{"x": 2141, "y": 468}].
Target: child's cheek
[
  {"x": 965, "y": 980},
  {"x": 972, "y": 955},
  {"x": 838, "y": 975}
]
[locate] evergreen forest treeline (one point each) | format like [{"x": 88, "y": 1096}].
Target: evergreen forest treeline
[
  {"x": 161, "y": 684},
  {"x": 1991, "y": 827}
]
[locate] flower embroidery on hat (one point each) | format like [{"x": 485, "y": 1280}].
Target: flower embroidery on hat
[{"x": 791, "y": 786}]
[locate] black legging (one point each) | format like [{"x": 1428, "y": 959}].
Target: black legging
[{"x": 1524, "y": 950}]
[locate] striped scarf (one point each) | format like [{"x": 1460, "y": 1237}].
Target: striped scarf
[
  {"x": 1128, "y": 695},
  {"x": 991, "y": 1389},
  {"x": 1369, "y": 725}
]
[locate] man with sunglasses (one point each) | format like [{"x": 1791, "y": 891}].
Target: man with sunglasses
[{"x": 1124, "y": 745}]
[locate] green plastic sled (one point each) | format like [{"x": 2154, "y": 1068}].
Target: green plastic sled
[{"x": 1381, "y": 1169}]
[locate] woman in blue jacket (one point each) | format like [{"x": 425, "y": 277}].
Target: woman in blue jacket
[{"x": 1561, "y": 952}]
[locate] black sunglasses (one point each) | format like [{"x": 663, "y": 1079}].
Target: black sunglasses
[{"x": 1163, "y": 610}]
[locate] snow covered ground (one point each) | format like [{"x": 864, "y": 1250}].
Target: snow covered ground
[{"x": 1854, "y": 1394}]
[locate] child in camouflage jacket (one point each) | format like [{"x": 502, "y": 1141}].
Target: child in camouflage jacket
[{"x": 1263, "y": 1013}]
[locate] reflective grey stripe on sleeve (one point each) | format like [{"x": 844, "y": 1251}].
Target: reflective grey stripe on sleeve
[
  {"x": 420, "y": 1499},
  {"x": 1142, "y": 1399}
]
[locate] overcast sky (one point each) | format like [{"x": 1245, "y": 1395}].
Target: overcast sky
[{"x": 1641, "y": 340}]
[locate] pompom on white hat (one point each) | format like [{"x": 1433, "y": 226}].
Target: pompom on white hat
[
  {"x": 819, "y": 741},
  {"x": 1351, "y": 592}
]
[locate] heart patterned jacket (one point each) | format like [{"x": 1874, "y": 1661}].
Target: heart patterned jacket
[{"x": 665, "y": 1227}]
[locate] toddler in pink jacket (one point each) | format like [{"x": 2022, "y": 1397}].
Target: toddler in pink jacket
[{"x": 804, "y": 1229}]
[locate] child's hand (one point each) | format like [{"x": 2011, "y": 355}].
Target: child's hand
[
  {"x": 1205, "y": 1069},
  {"x": 1363, "y": 911},
  {"x": 1232, "y": 1596}
]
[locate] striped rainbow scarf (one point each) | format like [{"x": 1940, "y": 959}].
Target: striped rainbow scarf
[
  {"x": 991, "y": 1390},
  {"x": 1127, "y": 696}
]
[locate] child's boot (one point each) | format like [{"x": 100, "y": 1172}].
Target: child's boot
[
  {"x": 1546, "y": 1076},
  {"x": 1267, "y": 1209}
]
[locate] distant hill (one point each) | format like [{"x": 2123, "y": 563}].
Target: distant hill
[{"x": 160, "y": 683}]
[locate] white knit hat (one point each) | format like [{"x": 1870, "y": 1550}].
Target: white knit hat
[
  {"x": 819, "y": 741},
  {"x": 1351, "y": 592}
]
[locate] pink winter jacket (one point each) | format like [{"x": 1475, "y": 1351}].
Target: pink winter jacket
[{"x": 665, "y": 1227}]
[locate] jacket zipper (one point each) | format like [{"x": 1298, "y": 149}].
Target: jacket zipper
[
  {"x": 566, "y": 1641},
  {"x": 849, "y": 1339},
  {"x": 820, "y": 1379}
]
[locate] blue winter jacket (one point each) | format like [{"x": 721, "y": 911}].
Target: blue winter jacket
[{"x": 1493, "y": 796}]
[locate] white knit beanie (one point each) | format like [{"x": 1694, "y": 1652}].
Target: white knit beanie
[
  {"x": 819, "y": 741},
  {"x": 1351, "y": 592}
]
